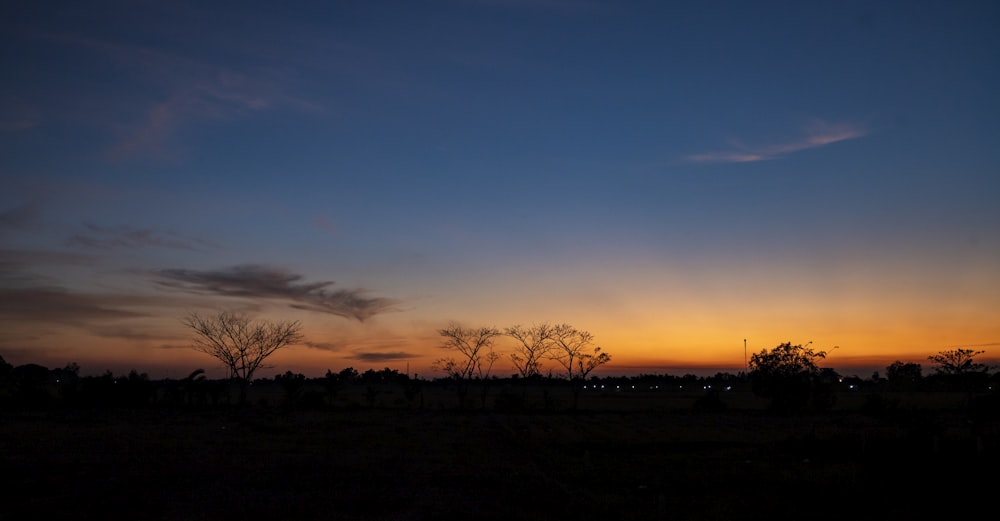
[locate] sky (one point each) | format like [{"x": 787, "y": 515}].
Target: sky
[{"x": 691, "y": 182}]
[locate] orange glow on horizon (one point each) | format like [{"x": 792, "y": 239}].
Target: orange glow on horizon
[{"x": 663, "y": 322}]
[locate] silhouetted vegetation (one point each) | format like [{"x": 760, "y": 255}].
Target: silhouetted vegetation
[
  {"x": 789, "y": 376},
  {"x": 240, "y": 342},
  {"x": 786, "y": 379},
  {"x": 381, "y": 444},
  {"x": 476, "y": 361}
]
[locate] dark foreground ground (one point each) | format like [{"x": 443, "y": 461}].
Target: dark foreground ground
[{"x": 392, "y": 464}]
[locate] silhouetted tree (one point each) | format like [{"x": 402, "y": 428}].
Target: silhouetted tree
[
  {"x": 572, "y": 350},
  {"x": 475, "y": 345},
  {"x": 533, "y": 344},
  {"x": 135, "y": 389},
  {"x": 332, "y": 384},
  {"x": 569, "y": 346},
  {"x": 190, "y": 390},
  {"x": 240, "y": 342},
  {"x": 67, "y": 382},
  {"x": 412, "y": 389},
  {"x": 786, "y": 375},
  {"x": 292, "y": 383},
  {"x": 384, "y": 376},
  {"x": 903, "y": 376},
  {"x": 958, "y": 362},
  {"x": 31, "y": 385},
  {"x": 958, "y": 367}
]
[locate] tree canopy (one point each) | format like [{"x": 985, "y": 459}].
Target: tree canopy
[{"x": 240, "y": 342}]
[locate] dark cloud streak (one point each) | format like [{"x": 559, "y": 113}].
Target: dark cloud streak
[
  {"x": 20, "y": 259},
  {"x": 54, "y": 304},
  {"x": 322, "y": 346},
  {"x": 382, "y": 357},
  {"x": 19, "y": 218},
  {"x": 254, "y": 281},
  {"x": 104, "y": 238}
]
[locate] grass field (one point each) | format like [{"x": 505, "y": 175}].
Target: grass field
[{"x": 615, "y": 459}]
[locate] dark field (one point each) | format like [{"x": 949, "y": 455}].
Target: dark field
[{"x": 619, "y": 458}]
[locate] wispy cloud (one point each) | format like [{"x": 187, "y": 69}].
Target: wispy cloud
[
  {"x": 179, "y": 90},
  {"x": 61, "y": 306},
  {"x": 104, "y": 238},
  {"x": 40, "y": 303},
  {"x": 987, "y": 344},
  {"x": 130, "y": 333},
  {"x": 256, "y": 281},
  {"x": 382, "y": 356},
  {"x": 817, "y": 135},
  {"x": 322, "y": 346},
  {"x": 20, "y": 217},
  {"x": 325, "y": 224},
  {"x": 15, "y": 266}
]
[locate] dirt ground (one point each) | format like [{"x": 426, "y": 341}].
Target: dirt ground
[{"x": 406, "y": 464}]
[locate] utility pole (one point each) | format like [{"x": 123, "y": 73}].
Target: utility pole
[{"x": 746, "y": 368}]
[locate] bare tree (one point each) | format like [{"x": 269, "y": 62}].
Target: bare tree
[
  {"x": 475, "y": 345},
  {"x": 534, "y": 344},
  {"x": 572, "y": 350},
  {"x": 958, "y": 367},
  {"x": 240, "y": 342},
  {"x": 958, "y": 362}
]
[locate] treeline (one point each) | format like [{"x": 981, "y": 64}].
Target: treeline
[{"x": 33, "y": 386}]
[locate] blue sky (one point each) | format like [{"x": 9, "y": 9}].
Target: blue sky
[{"x": 673, "y": 177}]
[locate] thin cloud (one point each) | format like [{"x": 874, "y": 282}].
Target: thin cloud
[
  {"x": 16, "y": 271},
  {"x": 17, "y": 260},
  {"x": 255, "y": 281},
  {"x": 128, "y": 333},
  {"x": 818, "y": 135},
  {"x": 58, "y": 305},
  {"x": 325, "y": 224},
  {"x": 988, "y": 344},
  {"x": 174, "y": 346},
  {"x": 189, "y": 90},
  {"x": 382, "y": 356},
  {"x": 104, "y": 238},
  {"x": 322, "y": 346},
  {"x": 727, "y": 157},
  {"x": 20, "y": 217}
]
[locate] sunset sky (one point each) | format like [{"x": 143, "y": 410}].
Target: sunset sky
[{"x": 673, "y": 177}]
